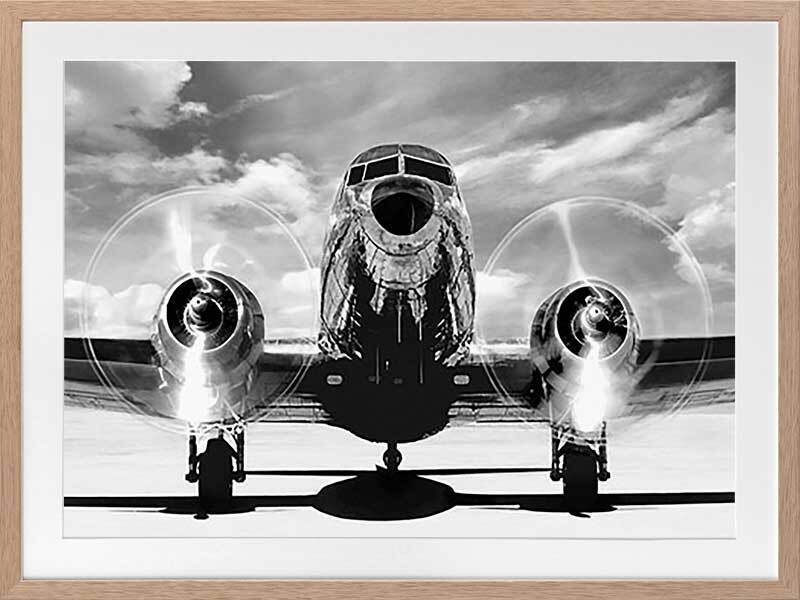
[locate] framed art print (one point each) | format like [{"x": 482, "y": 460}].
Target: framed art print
[
  {"x": 284, "y": 289},
  {"x": 479, "y": 302}
]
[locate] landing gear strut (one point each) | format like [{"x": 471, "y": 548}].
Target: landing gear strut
[
  {"x": 392, "y": 457},
  {"x": 239, "y": 474},
  {"x": 602, "y": 456},
  {"x": 192, "y": 476}
]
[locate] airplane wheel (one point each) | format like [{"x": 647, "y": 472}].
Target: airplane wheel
[
  {"x": 580, "y": 478},
  {"x": 215, "y": 485},
  {"x": 392, "y": 458}
]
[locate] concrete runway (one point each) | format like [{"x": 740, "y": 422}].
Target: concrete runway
[{"x": 664, "y": 476}]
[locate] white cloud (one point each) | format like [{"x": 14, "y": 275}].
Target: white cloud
[
  {"x": 296, "y": 318},
  {"x": 540, "y": 108},
  {"x": 293, "y": 190},
  {"x": 607, "y": 145},
  {"x": 709, "y": 230},
  {"x": 300, "y": 283},
  {"x": 136, "y": 169},
  {"x": 714, "y": 272},
  {"x": 718, "y": 273},
  {"x": 250, "y": 101},
  {"x": 291, "y": 303},
  {"x": 128, "y": 313},
  {"x": 634, "y": 152},
  {"x": 282, "y": 180},
  {"x": 494, "y": 287},
  {"x": 480, "y": 167},
  {"x": 495, "y": 293},
  {"x": 200, "y": 110},
  {"x": 695, "y": 161},
  {"x": 191, "y": 110},
  {"x": 104, "y": 99},
  {"x": 502, "y": 305},
  {"x": 712, "y": 224}
]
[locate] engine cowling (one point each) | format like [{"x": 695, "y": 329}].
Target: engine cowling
[
  {"x": 584, "y": 344},
  {"x": 208, "y": 336}
]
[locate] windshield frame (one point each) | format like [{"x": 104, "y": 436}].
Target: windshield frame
[{"x": 400, "y": 157}]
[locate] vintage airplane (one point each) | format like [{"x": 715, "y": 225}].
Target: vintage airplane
[{"x": 394, "y": 362}]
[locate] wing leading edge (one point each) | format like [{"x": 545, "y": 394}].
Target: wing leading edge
[{"x": 476, "y": 397}]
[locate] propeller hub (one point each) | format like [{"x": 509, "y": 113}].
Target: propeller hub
[
  {"x": 203, "y": 314},
  {"x": 594, "y": 321}
]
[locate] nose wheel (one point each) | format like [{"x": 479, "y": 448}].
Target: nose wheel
[{"x": 392, "y": 457}]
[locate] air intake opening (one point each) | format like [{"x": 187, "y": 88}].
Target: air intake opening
[{"x": 402, "y": 206}]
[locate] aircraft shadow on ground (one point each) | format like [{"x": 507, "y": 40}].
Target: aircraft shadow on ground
[{"x": 383, "y": 496}]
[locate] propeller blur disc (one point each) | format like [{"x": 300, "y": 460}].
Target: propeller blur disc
[
  {"x": 211, "y": 252},
  {"x": 598, "y": 268}
]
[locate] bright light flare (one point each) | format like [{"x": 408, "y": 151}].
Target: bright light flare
[
  {"x": 196, "y": 398},
  {"x": 594, "y": 392},
  {"x": 181, "y": 240},
  {"x": 210, "y": 257}
]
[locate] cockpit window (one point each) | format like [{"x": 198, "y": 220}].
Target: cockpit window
[
  {"x": 381, "y": 168},
  {"x": 391, "y": 166},
  {"x": 429, "y": 170},
  {"x": 356, "y": 175}
]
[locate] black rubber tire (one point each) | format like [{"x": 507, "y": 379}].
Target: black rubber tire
[
  {"x": 580, "y": 478},
  {"x": 215, "y": 485},
  {"x": 392, "y": 459}
]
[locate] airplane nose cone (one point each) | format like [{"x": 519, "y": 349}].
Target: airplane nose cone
[{"x": 402, "y": 206}]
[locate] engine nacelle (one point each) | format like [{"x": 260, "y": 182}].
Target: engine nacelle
[
  {"x": 584, "y": 344},
  {"x": 208, "y": 336}
]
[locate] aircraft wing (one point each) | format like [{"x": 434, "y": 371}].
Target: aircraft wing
[
  {"x": 133, "y": 361},
  {"x": 710, "y": 360},
  {"x": 477, "y": 399}
]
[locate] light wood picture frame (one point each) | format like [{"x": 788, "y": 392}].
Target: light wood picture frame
[{"x": 13, "y": 14}]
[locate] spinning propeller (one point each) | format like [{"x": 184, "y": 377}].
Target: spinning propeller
[
  {"x": 600, "y": 285},
  {"x": 197, "y": 252}
]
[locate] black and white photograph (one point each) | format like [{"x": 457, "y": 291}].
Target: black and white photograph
[{"x": 399, "y": 299}]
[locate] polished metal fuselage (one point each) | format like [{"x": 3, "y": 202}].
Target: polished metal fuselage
[{"x": 379, "y": 289}]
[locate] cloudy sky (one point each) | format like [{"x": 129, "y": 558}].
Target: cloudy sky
[{"x": 521, "y": 136}]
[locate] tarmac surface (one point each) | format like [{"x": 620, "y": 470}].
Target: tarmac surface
[{"x": 671, "y": 478}]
